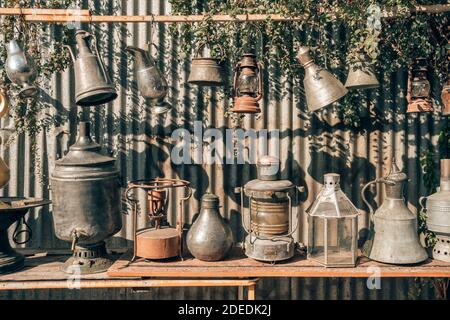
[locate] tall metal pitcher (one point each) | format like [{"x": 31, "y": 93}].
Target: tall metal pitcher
[
  {"x": 93, "y": 85},
  {"x": 393, "y": 234}
]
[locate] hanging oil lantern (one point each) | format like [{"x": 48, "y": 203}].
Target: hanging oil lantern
[
  {"x": 393, "y": 234},
  {"x": 161, "y": 241},
  {"x": 419, "y": 89},
  {"x": 361, "y": 75},
  {"x": 321, "y": 87},
  {"x": 270, "y": 215},
  {"x": 247, "y": 85},
  {"x": 445, "y": 97},
  {"x": 438, "y": 214},
  {"x": 86, "y": 197},
  {"x": 333, "y": 226},
  {"x": 205, "y": 71}
]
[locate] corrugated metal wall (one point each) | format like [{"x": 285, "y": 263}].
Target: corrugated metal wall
[{"x": 310, "y": 145}]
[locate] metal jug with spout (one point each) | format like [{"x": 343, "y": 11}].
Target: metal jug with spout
[
  {"x": 151, "y": 83},
  {"x": 93, "y": 85},
  {"x": 393, "y": 234},
  {"x": 20, "y": 69}
]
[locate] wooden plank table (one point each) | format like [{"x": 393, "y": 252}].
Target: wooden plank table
[
  {"x": 43, "y": 271},
  {"x": 238, "y": 265}
]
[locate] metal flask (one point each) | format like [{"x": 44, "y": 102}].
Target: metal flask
[
  {"x": 205, "y": 71},
  {"x": 93, "y": 85},
  {"x": 86, "y": 203},
  {"x": 438, "y": 214},
  {"x": 151, "y": 83},
  {"x": 393, "y": 234},
  {"x": 321, "y": 87},
  {"x": 210, "y": 238},
  {"x": 361, "y": 76},
  {"x": 20, "y": 69}
]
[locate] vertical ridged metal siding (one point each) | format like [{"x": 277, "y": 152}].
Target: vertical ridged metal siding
[{"x": 310, "y": 145}]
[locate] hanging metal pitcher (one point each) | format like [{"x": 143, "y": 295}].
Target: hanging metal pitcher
[
  {"x": 20, "y": 69},
  {"x": 361, "y": 75},
  {"x": 151, "y": 83},
  {"x": 393, "y": 234},
  {"x": 93, "y": 85},
  {"x": 205, "y": 71}
]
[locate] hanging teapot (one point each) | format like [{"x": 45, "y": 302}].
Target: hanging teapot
[
  {"x": 93, "y": 85},
  {"x": 151, "y": 83},
  {"x": 393, "y": 234},
  {"x": 20, "y": 69},
  {"x": 205, "y": 71}
]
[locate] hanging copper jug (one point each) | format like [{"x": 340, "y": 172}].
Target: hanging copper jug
[
  {"x": 393, "y": 234},
  {"x": 438, "y": 214},
  {"x": 20, "y": 69},
  {"x": 321, "y": 87},
  {"x": 150, "y": 81},
  {"x": 93, "y": 85},
  {"x": 210, "y": 238},
  {"x": 205, "y": 71},
  {"x": 361, "y": 75},
  {"x": 4, "y": 172}
]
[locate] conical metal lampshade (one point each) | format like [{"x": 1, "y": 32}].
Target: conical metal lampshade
[
  {"x": 361, "y": 76},
  {"x": 321, "y": 87}
]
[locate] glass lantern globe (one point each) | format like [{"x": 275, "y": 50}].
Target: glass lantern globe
[
  {"x": 420, "y": 86},
  {"x": 333, "y": 226},
  {"x": 247, "y": 83}
]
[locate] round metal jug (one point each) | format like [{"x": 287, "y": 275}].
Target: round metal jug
[
  {"x": 86, "y": 193},
  {"x": 205, "y": 71},
  {"x": 393, "y": 235},
  {"x": 210, "y": 238},
  {"x": 20, "y": 69},
  {"x": 438, "y": 214},
  {"x": 93, "y": 85}
]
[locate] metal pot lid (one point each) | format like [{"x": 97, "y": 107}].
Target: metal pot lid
[
  {"x": 84, "y": 152},
  {"x": 265, "y": 185}
]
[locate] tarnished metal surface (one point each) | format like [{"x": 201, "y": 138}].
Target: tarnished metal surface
[{"x": 310, "y": 145}]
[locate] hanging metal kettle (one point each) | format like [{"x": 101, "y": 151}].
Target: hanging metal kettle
[
  {"x": 205, "y": 71},
  {"x": 151, "y": 83},
  {"x": 20, "y": 69},
  {"x": 438, "y": 214},
  {"x": 361, "y": 75},
  {"x": 210, "y": 238},
  {"x": 393, "y": 234},
  {"x": 93, "y": 85}
]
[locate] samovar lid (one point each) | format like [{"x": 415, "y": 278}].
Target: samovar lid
[
  {"x": 395, "y": 174},
  {"x": 84, "y": 152},
  {"x": 268, "y": 168}
]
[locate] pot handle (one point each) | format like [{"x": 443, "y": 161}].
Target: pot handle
[
  {"x": 363, "y": 191},
  {"x": 202, "y": 45}
]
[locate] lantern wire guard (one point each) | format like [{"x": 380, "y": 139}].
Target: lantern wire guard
[
  {"x": 158, "y": 242},
  {"x": 333, "y": 226}
]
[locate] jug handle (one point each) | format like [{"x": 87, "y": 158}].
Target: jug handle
[
  {"x": 69, "y": 48},
  {"x": 94, "y": 41},
  {"x": 363, "y": 192}
]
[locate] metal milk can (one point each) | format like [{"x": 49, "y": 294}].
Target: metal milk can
[
  {"x": 93, "y": 85},
  {"x": 210, "y": 238},
  {"x": 86, "y": 198},
  {"x": 20, "y": 69},
  {"x": 438, "y": 214},
  {"x": 393, "y": 236}
]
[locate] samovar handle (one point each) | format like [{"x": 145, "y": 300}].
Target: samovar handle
[{"x": 422, "y": 203}]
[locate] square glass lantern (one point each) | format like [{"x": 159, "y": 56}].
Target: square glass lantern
[{"x": 333, "y": 226}]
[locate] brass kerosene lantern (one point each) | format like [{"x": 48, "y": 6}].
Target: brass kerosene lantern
[
  {"x": 160, "y": 241},
  {"x": 270, "y": 215},
  {"x": 419, "y": 89},
  {"x": 247, "y": 85}
]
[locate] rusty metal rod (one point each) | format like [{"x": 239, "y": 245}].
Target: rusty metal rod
[{"x": 61, "y": 15}]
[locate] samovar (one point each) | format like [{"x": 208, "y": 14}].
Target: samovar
[
  {"x": 161, "y": 241},
  {"x": 85, "y": 188},
  {"x": 270, "y": 214},
  {"x": 393, "y": 234},
  {"x": 438, "y": 214}
]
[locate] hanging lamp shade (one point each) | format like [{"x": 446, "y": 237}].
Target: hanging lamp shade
[
  {"x": 361, "y": 76},
  {"x": 321, "y": 87}
]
